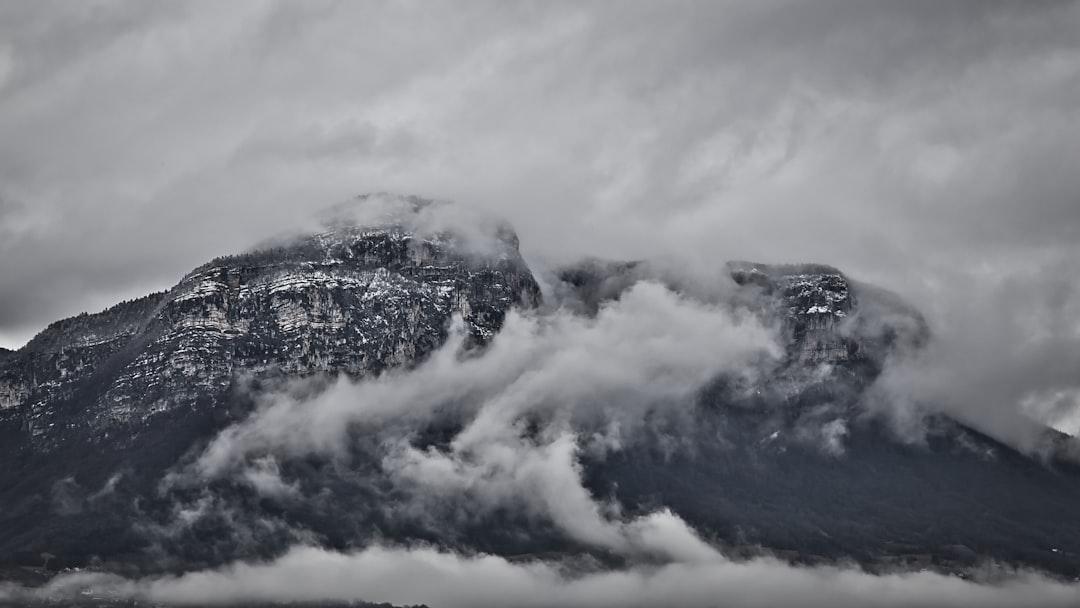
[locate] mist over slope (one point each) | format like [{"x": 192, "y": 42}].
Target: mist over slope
[{"x": 398, "y": 390}]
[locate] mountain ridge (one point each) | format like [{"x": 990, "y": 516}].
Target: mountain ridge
[
  {"x": 98, "y": 409},
  {"x": 285, "y": 298}
]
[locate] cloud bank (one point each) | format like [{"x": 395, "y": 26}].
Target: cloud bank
[
  {"x": 447, "y": 580},
  {"x": 548, "y": 388}
]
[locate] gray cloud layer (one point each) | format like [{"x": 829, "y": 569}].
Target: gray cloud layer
[
  {"x": 916, "y": 144},
  {"x": 450, "y": 580}
]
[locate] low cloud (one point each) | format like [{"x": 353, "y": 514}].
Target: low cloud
[
  {"x": 444, "y": 579},
  {"x": 1002, "y": 358},
  {"x": 551, "y": 386},
  {"x": 554, "y": 386}
]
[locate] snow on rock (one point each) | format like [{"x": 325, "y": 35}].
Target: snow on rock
[{"x": 352, "y": 299}]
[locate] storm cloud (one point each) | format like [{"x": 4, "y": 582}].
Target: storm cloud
[{"x": 912, "y": 145}]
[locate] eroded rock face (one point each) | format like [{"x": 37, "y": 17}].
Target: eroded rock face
[
  {"x": 352, "y": 299},
  {"x": 823, "y": 316},
  {"x": 13, "y": 387},
  {"x": 827, "y": 318}
]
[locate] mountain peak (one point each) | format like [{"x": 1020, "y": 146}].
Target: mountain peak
[
  {"x": 372, "y": 291},
  {"x": 465, "y": 227}
]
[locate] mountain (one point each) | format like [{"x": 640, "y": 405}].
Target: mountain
[
  {"x": 99, "y": 411},
  {"x": 794, "y": 463},
  {"x": 133, "y": 387}
]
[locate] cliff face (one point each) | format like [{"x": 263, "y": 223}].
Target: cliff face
[
  {"x": 827, "y": 318},
  {"x": 823, "y": 316},
  {"x": 352, "y": 299},
  {"x": 13, "y": 388},
  {"x": 812, "y": 301}
]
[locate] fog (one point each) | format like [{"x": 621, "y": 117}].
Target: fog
[{"x": 438, "y": 578}]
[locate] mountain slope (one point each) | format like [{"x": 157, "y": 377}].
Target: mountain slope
[
  {"x": 128, "y": 390},
  {"x": 794, "y": 463},
  {"x": 102, "y": 415}
]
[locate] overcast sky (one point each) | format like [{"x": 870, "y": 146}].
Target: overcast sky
[{"x": 930, "y": 147}]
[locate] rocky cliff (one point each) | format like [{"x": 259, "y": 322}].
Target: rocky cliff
[
  {"x": 353, "y": 299},
  {"x": 823, "y": 316}
]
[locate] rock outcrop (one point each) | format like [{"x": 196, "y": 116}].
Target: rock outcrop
[
  {"x": 353, "y": 299},
  {"x": 823, "y": 316},
  {"x": 828, "y": 318}
]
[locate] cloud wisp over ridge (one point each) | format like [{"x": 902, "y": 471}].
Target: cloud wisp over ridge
[
  {"x": 923, "y": 147},
  {"x": 552, "y": 386}
]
